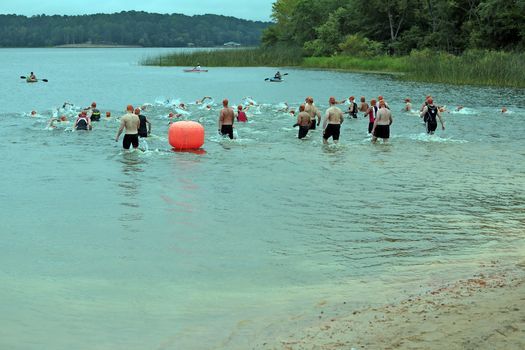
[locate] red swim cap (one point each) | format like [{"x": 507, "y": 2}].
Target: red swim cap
[
  {"x": 430, "y": 100},
  {"x": 129, "y": 108}
]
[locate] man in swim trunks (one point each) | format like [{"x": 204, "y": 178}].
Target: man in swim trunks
[
  {"x": 131, "y": 122},
  {"x": 303, "y": 121},
  {"x": 430, "y": 112},
  {"x": 332, "y": 122},
  {"x": 226, "y": 117},
  {"x": 312, "y": 110},
  {"x": 381, "y": 128}
]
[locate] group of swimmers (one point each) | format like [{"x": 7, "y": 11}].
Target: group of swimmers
[{"x": 136, "y": 125}]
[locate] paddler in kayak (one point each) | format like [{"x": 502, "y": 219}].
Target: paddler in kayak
[{"x": 277, "y": 76}]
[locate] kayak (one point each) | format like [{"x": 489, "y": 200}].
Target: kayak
[
  {"x": 274, "y": 80},
  {"x": 31, "y": 80},
  {"x": 195, "y": 70}
]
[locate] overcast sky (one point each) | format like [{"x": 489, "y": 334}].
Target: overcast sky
[{"x": 258, "y": 10}]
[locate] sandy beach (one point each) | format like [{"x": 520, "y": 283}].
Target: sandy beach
[{"x": 486, "y": 311}]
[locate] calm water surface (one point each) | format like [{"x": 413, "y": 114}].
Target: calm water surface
[{"x": 104, "y": 249}]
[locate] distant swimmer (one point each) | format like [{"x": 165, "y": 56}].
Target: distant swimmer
[
  {"x": 62, "y": 119},
  {"x": 408, "y": 105},
  {"x": 108, "y": 114},
  {"x": 504, "y": 110},
  {"x": 332, "y": 122},
  {"x": 145, "y": 125},
  {"x": 459, "y": 108},
  {"x": 131, "y": 122},
  {"x": 381, "y": 128},
  {"x": 226, "y": 117},
  {"x": 431, "y": 113},
  {"x": 311, "y": 109},
  {"x": 303, "y": 122},
  {"x": 372, "y": 114},
  {"x": 93, "y": 113},
  {"x": 201, "y": 101},
  {"x": 83, "y": 122},
  {"x": 241, "y": 114},
  {"x": 352, "y": 108}
]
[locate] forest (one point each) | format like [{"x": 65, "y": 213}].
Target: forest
[
  {"x": 134, "y": 28},
  {"x": 396, "y": 27}
]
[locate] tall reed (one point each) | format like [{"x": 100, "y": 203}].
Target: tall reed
[
  {"x": 245, "y": 57},
  {"x": 476, "y": 67}
]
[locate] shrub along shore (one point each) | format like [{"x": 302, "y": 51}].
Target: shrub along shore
[{"x": 474, "y": 67}]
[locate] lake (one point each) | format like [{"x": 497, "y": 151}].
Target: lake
[{"x": 155, "y": 249}]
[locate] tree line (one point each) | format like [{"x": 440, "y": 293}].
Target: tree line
[
  {"x": 128, "y": 28},
  {"x": 369, "y": 27}
]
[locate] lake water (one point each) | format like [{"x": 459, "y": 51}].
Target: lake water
[{"x": 105, "y": 249}]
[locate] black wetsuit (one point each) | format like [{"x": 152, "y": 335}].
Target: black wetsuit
[
  {"x": 82, "y": 124},
  {"x": 143, "y": 130},
  {"x": 95, "y": 115},
  {"x": 430, "y": 118},
  {"x": 352, "y": 110}
]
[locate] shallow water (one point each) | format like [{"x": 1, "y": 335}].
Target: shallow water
[{"x": 105, "y": 249}]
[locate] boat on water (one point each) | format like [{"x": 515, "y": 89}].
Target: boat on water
[
  {"x": 195, "y": 70},
  {"x": 275, "y": 80},
  {"x": 29, "y": 80}
]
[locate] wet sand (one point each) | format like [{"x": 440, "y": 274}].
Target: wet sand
[{"x": 486, "y": 311}]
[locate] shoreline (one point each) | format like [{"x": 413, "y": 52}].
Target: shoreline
[
  {"x": 485, "y": 311},
  {"x": 95, "y": 46}
]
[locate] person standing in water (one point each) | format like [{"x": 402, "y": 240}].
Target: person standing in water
[
  {"x": 145, "y": 125},
  {"x": 332, "y": 122},
  {"x": 303, "y": 122},
  {"x": 226, "y": 117},
  {"x": 93, "y": 113},
  {"x": 83, "y": 122},
  {"x": 241, "y": 114},
  {"x": 312, "y": 110},
  {"x": 430, "y": 112},
  {"x": 381, "y": 128},
  {"x": 372, "y": 113},
  {"x": 131, "y": 122}
]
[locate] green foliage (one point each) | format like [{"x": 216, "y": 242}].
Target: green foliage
[
  {"x": 322, "y": 26},
  {"x": 246, "y": 57},
  {"x": 128, "y": 28},
  {"x": 387, "y": 64},
  {"x": 358, "y": 46}
]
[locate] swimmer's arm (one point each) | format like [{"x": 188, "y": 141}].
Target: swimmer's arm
[
  {"x": 220, "y": 121},
  {"x": 149, "y": 126},
  {"x": 441, "y": 120},
  {"x": 120, "y": 130},
  {"x": 424, "y": 111},
  {"x": 342, "y": 118}
]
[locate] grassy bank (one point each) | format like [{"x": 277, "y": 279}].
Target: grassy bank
[
  {"x": 245, "y": 57},
  {"x": 490, "y": 68}
]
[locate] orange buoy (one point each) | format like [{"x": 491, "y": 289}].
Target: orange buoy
[{"x": 184, "y": 135}]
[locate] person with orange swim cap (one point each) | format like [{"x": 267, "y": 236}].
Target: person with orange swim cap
[{"x": 131, "y": 122}]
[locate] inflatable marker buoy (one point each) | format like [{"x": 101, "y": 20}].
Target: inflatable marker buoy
[{"x": 185, "y": 135}]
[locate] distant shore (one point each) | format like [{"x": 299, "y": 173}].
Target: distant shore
[{"x": 90, "y": 46}]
